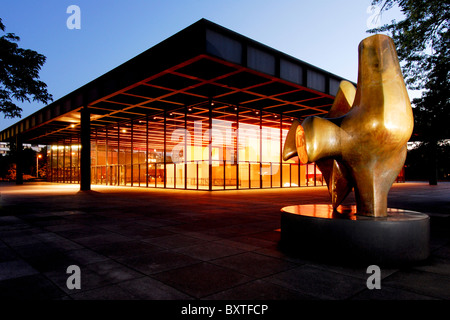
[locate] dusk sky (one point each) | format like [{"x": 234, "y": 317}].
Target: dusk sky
[{"x": 324, "y": 33}]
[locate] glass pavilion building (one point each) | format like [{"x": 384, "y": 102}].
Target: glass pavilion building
[{"x": 205, "y": 109}]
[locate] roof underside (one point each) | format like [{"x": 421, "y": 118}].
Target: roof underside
[{"x": 202, "y": 63}]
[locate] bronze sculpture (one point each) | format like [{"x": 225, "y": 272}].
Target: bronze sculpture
[{"x": 361, "y": 142}]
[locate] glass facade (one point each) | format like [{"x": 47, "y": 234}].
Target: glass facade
[
  {"x": 63, "y": 161},
  {"x": 208, "y": 146}
]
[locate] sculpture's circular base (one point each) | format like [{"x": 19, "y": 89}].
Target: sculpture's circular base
[{"x": 316, "y": 230}]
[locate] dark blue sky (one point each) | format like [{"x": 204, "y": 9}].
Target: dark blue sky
[{"x": 325, "y": 33}]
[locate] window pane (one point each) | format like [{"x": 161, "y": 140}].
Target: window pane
[
  {"x": 155, "y": 157},
  {"x": 176, "y": 145},
  {"x": 224, "y": 146},
  {"x": 197, "y": 147}
]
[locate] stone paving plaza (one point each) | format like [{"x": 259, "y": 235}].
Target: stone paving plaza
[{"x": 152, "y": 244}]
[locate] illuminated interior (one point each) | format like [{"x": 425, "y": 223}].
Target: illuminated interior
[{"x": 209, "y": 146}]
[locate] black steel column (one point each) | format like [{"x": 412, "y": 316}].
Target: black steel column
[
  {"x": 19, "y": 164},
  {"x": 78, "y": 159},
  {"x": 281, "y": 151},
  {"x": 165, "y": 148},
  {"x": 118, "y": 154},
  {"x": 69, "y": 149},
  {"x": 307, "y": 181},
  {"x": 185, "y": 153},
  {"x": 237, "y": 147},
  {"x": 64, "y": 161},
  {"x": 132, "y": 151},
  {"x": 146, "y": 152},
  {"x": 224, "y": 174},
  {"x": 57, "y": 162},
  {"x": 51, "y": 163},
  {"x": 260, "y": 152},
  {"x": 315, "y": 176},
  {"x": 96, "y": 158},
  {"x": 85, "y": 159},
  {"x": 107, "y": 173},
  {"x": 210, "y": 146}
]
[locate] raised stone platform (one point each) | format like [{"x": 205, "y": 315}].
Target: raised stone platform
[{"x": 344, "y": 237}]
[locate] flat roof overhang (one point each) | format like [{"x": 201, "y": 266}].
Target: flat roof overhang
[{"x": 201, "y": 63}]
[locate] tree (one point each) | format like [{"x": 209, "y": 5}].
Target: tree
[
  {"x": 423, "y": 42},
  {"x": 19, "y": 75}
]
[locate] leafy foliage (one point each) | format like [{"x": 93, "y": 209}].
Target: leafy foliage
[
  {"x": 423, "y": 47},
  {"x": 422, "y": 38},
  {"x": 417, "y": 162},
  {"x": 8, "y": 163},
  {"x": 19, "y": 75}
]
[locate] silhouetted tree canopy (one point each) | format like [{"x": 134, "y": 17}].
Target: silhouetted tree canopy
[
  {"x": 422, "y": 40},
  {"x": 19, "y": 75}
]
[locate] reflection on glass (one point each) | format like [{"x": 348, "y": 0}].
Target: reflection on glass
[{"x": 197, "y": 147}]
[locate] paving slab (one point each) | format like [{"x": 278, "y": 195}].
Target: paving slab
[
  {"x": 147, "y": 288},
  {"x": 30, "y": 287},
  {"x": 209, "y": 251},
  {"x": 254, "y": 265},
  {"x": 15, "y": 269},
  {"x": 259, "y": 290},
  {"x": 319, "y": 283},
  {"x": 153, "y": 244},
  {"x": 158, "y": 262},
  {"x": 202, "y": 279}
]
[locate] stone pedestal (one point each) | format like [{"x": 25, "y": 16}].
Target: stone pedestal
[{"x": 344, "y": 237}]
